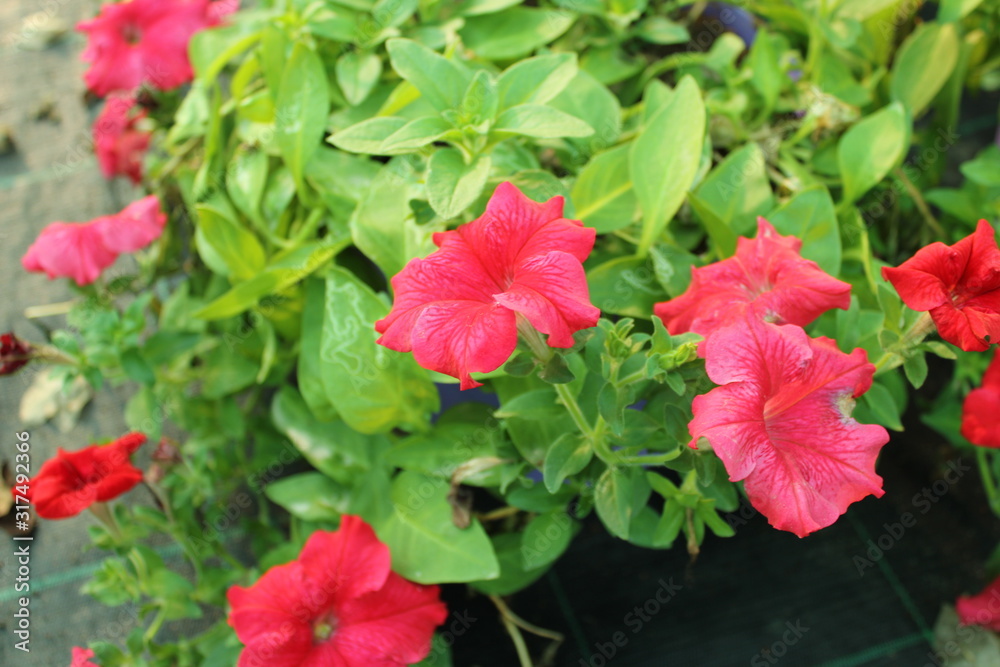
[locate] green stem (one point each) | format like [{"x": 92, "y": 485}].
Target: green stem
[
  {"x": 309, "y": 228},
  {"x": 573, "y": 408},
  {"x": 918, "y": 199},
  {"x": 986, "y": 472},
  {"x": 154, "y": 627}
]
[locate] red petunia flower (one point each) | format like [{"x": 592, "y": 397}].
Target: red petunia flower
[
  {"x": 959, "y": 285},
  {"x": 118, "y": 142},
  {"x": 13, "y": 353},
  {"x": 766, "y": 275},
  {"x": 458, "y": 308},
  {"x": 339, "y": 604},
  {"x": 781, "y": 422},
  {"x": 982, "y": 609},
  {"x": 81, "y": 251},
  {"x": 980, "y": 425},
  {"x": 144, "y": 41},
  {"x": 81, "y": 658},
  {"x": 73, "y": 481}
]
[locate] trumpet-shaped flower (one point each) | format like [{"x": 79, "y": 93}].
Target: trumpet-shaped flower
[
  {"x": 119, "y": 143},
  {"x": 144, "y": 41},
  {"x": 767, "y": 276},
  {"x": 959, "y": 285},
  {"x": 337, "y": 604},
  {"x": 73, "y": 481},
  {"x": 457, "y": 309},
  {"x": 780, "y": 421},
  {"x": 980, "y": 425},
  {"x": 81, "y": 251}
]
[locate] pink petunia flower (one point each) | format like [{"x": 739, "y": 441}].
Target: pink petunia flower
[
  {"x": 118, "y": 142},
  {"x": 458, "y": 308},
  {"x": 338, "y": 604},
  {"x": 780, "y": 421},
  {"x": 144, "y": 41},
  {"x": 81, "y": 658},
  {"x": 980, "y": 425},
  {"x": 982, "y": 609},
  {"x": 81, "y": 251},
  {"x": 959, "y": 285},
  {"x": 766, "y": 275}
]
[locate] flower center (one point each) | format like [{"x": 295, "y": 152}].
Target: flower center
[
  {"x": 324, "y": 628},
  {"x": 132, "y": 34}
]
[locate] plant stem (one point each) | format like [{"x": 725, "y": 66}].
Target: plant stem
[
  {"x": 515, "y": 623},
  {"x": 918, "y": 199},
  {"x": 986, "y": 472},
  {"x": 892, "y": 357}
]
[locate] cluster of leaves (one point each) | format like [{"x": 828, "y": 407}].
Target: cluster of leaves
[{"x": 322, "y": 144}]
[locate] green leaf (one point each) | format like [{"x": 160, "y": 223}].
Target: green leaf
[
  {"x": 567, "y": 456},
  {"x": 415, "y": 134},
  {"x": 915, "y": 367},
  {"x": 592, "y": 102},
  {"x": 227, "y": 247},
  {"x": 513, "y": 574},
  {"x": 546, "y": 538},
  {"x": 923, "y": 64},
  {"x": 441, "y": 81},
  {"x": 955, "y": 10},
  {"x": 331, "y": 447},
  {"x": 301, "y": 110},
  {"x": 513, "y": 33},
  {"x": 660, "y": 30},
  {"x": 375, "y": 389},
  {"x": 481, "y": 101},
  {"x": 871, "y": 148},
  {"x": 426, "y": 545},
  {"x": 810, "y": 216},
  {"x": 737, "y": 191},
  {"x": 383, "y": 225},
  {"x": 764, "y": 62},
  {"x": 310, "y": 365},
  {"x": 357, "y": 74},
  {"x": 883, "y": 407},
  {"x": 984, "y": 169},
  {"x": 310, "y": 496},
  {"x": 540, "y": 121},
  {"x": 625, "y": 286},
  {"x": 453, "y": 185},
  {"x": 536, "y": 80},
  {"x": 245, "y": 180},
  {"x": 665, "y": 157},
  {"x": 369, "y": 136},
  {"x": 617, "y": 497},
  {"x": 602, "y": 195}
]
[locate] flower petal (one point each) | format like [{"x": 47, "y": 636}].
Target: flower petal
[
  {"x": 344, "y": 564},
  {"x": 551, "y": 291},
  {"x": 982, "y": 609},
  {"x": 135, "y": 227}
]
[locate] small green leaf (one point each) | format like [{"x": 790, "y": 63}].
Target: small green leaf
[
  {"x": 540, "y": 121},
  {"x": 546, "y": 537},
  {"x": 513, "y": 33},
  {"x": 665, "y": 157},
  {"x": 452, "y": 185},
  {"x": 810, "y": 216},
  {"x": 301, "y": 110},
  {"x": 481, "y": 101},
  {"x": 310, "y": 496},
  {"x": 369, "y": 136},
  {"x": 226, "y": 246},
  {"x": 915, "y": 367},
  {"x": 536, "y": 80},
  {"x": 923, "y": 64},
  {"x": 567, "y": 456},
  {"x": 602, "y": 195},
  {"x": 357, "y": 74},
  {"x": 883, "y": 407},
  {"x": 441, "y": 81},
  {"x": 415, "y": 134},
  {"x": 870, "y": 149}
]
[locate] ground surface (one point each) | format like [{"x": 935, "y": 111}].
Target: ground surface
[{"x": 759, "y": 598}]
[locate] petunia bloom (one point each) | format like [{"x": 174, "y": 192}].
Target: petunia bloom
[
  {"x": 81, "y": 251},
  {"x": 338, "y": 604},
  {"x": 73, "y": 481},
  {"x": 959, "y": 285},
  {"x": 144, "y": 41},
  {"x": 118, "y": 142},
  {"x": 767, "y": 276},
  {"x": 81, "y": 657},
  {"x": 458, "y": 308},
  {"x": 780, "y": 421},
  {"x": 982, "y": 609},
  {"x": 13, "y": 353},
  {"x": 980, "y": 425}
]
